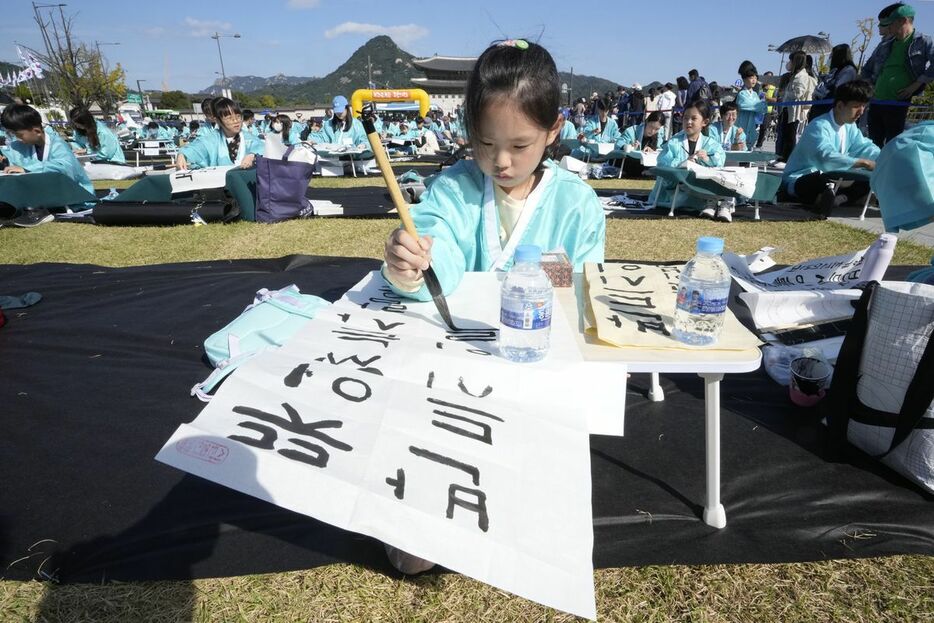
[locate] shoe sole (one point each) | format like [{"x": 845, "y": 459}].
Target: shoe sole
[{"x": 44, "y": 219}]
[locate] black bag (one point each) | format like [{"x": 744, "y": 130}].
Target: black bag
[
  {"x": 164, "y": 212},
  {"x": 881, "y": 398}
]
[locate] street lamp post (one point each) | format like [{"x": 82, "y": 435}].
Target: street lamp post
[
  {"x": 100, "y": 56},
  {"x": 781, "y": 63},
  {"x": 139, "y": 89},
  {"x": 217, "y": 37}
]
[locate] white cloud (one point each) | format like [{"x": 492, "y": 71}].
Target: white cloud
[
  {"x": 402, "y": 34},
  {"x": 204, "y": 28},
  {"x": 303, "y": 4}
]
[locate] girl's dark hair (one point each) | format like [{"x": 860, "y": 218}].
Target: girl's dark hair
[
  {"x": 747, "y": 69},
  {"x": 683, "y": 83},
  {"x": 809, "y": 65},
  {"x": 206, "y": 108},
  {"x": 841, "y": 56},
  {"x": 223, "y": 107},
  {"x": 248, "y": 114},
  {"x": 727, "y": 107},
  {"x": 703, "y": 108},
  {"x": 194, "y": 126},
  {"x": 798, "y": 62},
  {"x": 346, "y": 122},
  {"x": 657, "y": 116},
  {"x": 152, "y": 125},
  {"x": 18, "y": 117},
  {"x": 84, "y": 124},
  {"x": 526, "y": 76},
  {"x": 286, "y": 126}
]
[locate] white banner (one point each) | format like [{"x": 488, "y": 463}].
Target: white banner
[
  {"x": 32, "y": 70},
  {"x": 377, "y": 419}
]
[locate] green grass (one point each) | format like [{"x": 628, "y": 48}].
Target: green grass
[{"x": 883, "y": 589}]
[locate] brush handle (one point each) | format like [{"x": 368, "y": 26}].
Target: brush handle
[{"x": 402, "y": 207}]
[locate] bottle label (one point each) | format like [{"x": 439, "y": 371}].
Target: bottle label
[
  {"x": 529, "y": 315},
  {"x": 694, "y": 302}
]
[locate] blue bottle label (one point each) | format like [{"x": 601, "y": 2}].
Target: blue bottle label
[
  {"x": 695, "y": 302},
  {"x": 528, "y": 315}
]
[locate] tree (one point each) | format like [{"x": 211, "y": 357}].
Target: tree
[
  {"x": 860, "y": 43},
  {"x": 246, "y": 100},
  {"x": 75, "y": 73},
  {"x": 175, "y": 100},
  {"x": 267, "y": 101}
]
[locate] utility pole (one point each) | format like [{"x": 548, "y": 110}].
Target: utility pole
[
  {"x": 142, "y": 99},
  {"x": 217, "y": 37}
]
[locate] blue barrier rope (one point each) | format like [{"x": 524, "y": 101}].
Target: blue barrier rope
[{"x": 808, "y": 103}]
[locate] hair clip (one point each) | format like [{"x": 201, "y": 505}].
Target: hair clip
[{"x": 522, "y": 44}]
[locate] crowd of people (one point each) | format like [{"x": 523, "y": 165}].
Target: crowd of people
[{"x": 685, "y": 120}]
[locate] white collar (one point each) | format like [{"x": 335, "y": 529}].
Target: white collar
[{"x": 500, "y": 255}]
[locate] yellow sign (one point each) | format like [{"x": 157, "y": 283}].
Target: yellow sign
[{"x": 389, "y": 95}]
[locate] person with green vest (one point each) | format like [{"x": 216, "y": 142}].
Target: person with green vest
[{"x": 900, "y": 67}]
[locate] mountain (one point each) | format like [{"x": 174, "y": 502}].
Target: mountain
[
  {"x": 583, "y": 86},
  {"x": 389, "y": 66},
  {"x": 249, "y": 84}
]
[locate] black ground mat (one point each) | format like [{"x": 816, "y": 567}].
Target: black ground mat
[{"x": 96, "y": 378}]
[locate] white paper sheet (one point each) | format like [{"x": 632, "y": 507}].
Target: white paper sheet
[
  {"x": 376, "y": 419},
  {"x": 741, "y": 180},
  {"x": 650, "y": 158},
  {"x": 823, "y": 273},
  {"x": 198, "y": 179},
  {"x": 771, "y": 310}
]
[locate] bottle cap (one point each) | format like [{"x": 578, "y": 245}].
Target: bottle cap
[
  {"x": 709, "y": 244},
  {"x": 527, "y": 253}
]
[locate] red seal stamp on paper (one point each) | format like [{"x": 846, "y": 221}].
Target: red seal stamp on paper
[{"x": 203, "y": 449}]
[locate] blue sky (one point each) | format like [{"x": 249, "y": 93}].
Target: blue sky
[{"x": 622, "y": 41}]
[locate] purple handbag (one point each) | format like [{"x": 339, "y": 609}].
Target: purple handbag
[{"x": 281, "y": 187}]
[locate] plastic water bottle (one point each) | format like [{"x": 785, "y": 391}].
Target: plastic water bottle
[
  {"x": 525, "y": 309},
  {"x": 703, "y": 293}
]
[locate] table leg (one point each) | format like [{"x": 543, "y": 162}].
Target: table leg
[
  {"x": 862, "y": 215},
  {"x": 714, "y": 513},
  {"x": 674, "y": 198},
  {"x": 656, "y": 393}
]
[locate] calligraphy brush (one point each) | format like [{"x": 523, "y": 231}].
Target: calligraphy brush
[{"x": 431, "y": 279}]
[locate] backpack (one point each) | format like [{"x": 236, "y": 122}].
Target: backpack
[{"x": 272, "y": 318}]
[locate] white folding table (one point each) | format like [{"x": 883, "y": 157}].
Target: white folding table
[{"x": 710, "y": 365}]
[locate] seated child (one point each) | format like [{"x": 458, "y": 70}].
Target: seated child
[
  {"x": 732, "y": 137},
  {"x": 832, "y": 142},
  {"x": 476, "y": 212},
  {"x": 94, "y": 138},
  {"x": 599, "y": 129},
  {"x": 695, "y": 143},
  {"x": 342, "y": 128},
  {"x": 229, "y": 145},
  {"x": 38, "y": 149},
  {"x": 649, "y": 136}
]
